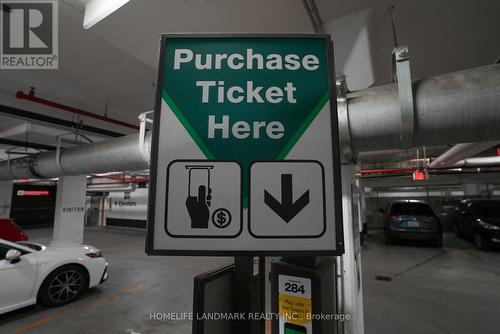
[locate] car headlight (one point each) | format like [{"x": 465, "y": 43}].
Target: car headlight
[
  {"x": 487, "y": 226},
  {"x": 94, "y": 254}
]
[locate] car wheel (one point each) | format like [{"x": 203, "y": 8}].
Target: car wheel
[
  {"x": 479, "y": 241},
  {"x": 63, "y": 286}
]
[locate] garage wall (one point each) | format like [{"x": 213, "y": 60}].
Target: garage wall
[
  {"x": 33, "y": 205},
  {"x": 128, "y": 209}
]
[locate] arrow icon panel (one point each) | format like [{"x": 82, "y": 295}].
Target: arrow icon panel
[
  {"x": 287, "y": 199},
  {"x": 287, "y": 209}
]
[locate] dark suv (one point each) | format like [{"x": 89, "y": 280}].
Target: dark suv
[
  {"x": 478, "y": 220},
  {"x": 411, "y": 219}
]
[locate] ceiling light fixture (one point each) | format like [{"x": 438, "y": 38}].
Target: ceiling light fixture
[{"x": 96, "y": 10}]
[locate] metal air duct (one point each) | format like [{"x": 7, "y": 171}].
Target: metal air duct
[{"x": 451, "y": 108}]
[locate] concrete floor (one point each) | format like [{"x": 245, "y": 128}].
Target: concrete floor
[
  {"x": 454, "y": 290},
  {"x": 433, "y": 291},
  {"x": 138, "y": 285}
]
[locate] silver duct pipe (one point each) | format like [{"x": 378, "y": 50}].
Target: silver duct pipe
[
  {"x": 479, "y": 162},
  {"x": 110, "y": 189},
  {"x": 461, "y": 152},
  {"x": 448, "y": 109},
  {"x": 118, "y": 154}
]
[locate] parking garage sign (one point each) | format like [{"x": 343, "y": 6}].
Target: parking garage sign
[{"x": 245, "y": 155}]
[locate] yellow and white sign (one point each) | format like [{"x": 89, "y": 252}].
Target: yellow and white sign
[{"x": 295, "y": 305}]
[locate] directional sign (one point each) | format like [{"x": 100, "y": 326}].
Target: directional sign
[
  {"x": 287, "y": 209},
  {"x": 287, "y": 199},
  {"x": 245, "y": 155}
]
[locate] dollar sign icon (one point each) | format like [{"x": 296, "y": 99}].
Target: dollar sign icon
[{"x": 221, "y": 218}]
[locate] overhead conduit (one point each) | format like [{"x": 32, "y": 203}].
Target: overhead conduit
[
  {"x": 450, "y": 108},
  {"x": 460, "y": 152},
  {"x": 118, "y": 154}
]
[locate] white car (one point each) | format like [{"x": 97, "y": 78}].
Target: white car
[{"x": 52, "y": 276}]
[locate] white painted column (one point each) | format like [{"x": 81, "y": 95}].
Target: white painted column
[
  {"x": 5, "y": 198},
  {"x": 70, "y": 210},
  {"x": 361, "y": 204},
  {"x": 349, "y": 265}
]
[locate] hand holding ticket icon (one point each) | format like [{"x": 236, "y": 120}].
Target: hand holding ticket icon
[{"x": 198, "y": 208}]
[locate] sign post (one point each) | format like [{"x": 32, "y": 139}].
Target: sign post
[{"x": 245, "y": 154}]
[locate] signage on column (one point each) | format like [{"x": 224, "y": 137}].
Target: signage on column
[
  {"x": 295, "y": 305},
  {"x": 245, "y": 155}
]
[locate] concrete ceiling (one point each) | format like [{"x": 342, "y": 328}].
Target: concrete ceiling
[{"x": 114, "y": 62}]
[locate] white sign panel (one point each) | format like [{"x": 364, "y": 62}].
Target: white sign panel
[{"x": 245, "y": 153}]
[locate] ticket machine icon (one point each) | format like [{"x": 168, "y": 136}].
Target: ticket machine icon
[{"x": 199, "y": 195}]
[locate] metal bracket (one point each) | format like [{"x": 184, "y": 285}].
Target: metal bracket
[
  {"x": 402, "y": 76},
  {"x": 59, "y": 141},
  {"x": 28, "y": 158},
  {"x": 343, "y": 119},
  {"x": 142, "y": 134}
]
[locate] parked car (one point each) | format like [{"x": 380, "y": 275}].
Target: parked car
[
  {"x": 479, "y": 221},
  {"x": 52, "y": 276},
  {"x": 10, "y": 231},
  {"x": 411, "y": 219}
]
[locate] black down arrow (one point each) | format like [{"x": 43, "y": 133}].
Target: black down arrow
[{"x": 287, "y": 209}]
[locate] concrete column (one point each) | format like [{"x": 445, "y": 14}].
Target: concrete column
[
  {"x": 70, "y": 210},
  {"x": 5, "y": 198},
  {"x": 362, "y": 204},
  {"x": 349, "y": 264}
]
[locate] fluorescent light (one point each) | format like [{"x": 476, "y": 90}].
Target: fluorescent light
[{"x": 96, "y": 10}]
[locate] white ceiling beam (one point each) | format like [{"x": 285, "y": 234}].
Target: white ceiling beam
[{"x": 14, "y": 131}]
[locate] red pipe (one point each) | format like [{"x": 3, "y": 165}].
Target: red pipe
[
  {"x": 412, "y": 170},
  {"x": 387, "y": 171},
  {"x": 31, "y": 97}
]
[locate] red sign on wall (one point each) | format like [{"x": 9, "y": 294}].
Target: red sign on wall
[{"x": 43, "y": 193}]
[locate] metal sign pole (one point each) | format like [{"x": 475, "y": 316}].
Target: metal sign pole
[{"x": 249, "y": 294}]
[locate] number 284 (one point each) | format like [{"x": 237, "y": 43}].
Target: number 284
[{"x": 292, "y": 287}]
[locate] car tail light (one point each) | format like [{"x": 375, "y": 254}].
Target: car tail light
[{"x": 392, "y": 216}]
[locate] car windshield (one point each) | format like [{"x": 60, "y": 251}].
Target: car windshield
[
  {"x": 411, "y": 209},
  {"x": 487, "y": 209}
]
